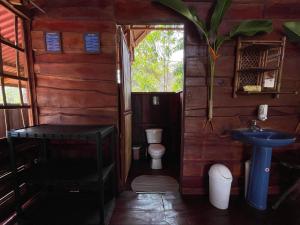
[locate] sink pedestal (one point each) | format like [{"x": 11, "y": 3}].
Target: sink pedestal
[
  {"x": 257, "y": 192},
  {"x": 262, "y": 141}
]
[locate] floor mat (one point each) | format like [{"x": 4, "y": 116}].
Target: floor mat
[{"x": 154, "y": 184}]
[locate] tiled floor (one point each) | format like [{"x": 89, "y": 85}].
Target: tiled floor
[{"x": 172, "y": 209}]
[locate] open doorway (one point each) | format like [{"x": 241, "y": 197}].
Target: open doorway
[
  {"x": 157, "y": 74},
  {"x": 157, "y": 64}
]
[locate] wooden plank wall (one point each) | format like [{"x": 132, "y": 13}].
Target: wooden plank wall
[
  {"x": 72, "y": 87},
  {"x": 75, "y": 87},
  {"x": 202, "y": 148},
  {"x": 68, "y": 91}
]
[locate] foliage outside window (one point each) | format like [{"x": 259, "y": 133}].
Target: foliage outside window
[
  {"x": 14, "y": 100},
  {"x": 158, "y": 62}
]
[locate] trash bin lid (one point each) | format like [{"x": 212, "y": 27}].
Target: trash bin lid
[{"x": 220, "y": 171}]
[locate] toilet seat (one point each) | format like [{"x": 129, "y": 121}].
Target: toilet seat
[{"x": 156, "y": 149}]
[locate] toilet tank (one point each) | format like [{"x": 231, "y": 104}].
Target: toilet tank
[{"x": 154, "y": 135}]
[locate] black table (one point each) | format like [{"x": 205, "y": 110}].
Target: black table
[{"x": 67, "y": 132}]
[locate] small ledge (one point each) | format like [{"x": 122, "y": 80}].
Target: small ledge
[
  {"x": 258, "y": 69},
  {"x": 265, "y": 92},
  {"x": 261, "y": 46}
]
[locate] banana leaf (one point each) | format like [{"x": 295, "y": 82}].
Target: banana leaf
[
  {"x": 198, "y": 21},
  {"x": 214, "y": 41},
  {"x": 218, "y": 14},
  {"x": 220, "y": 40},
  {"x": 252, "y": 27},
  {"x": 292, "y": 29},
  {"x": 180, "y": 7}
]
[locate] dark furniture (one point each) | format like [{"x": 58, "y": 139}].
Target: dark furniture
[
  {"x": 291, "y": 162},
  {"x": 69, "y": 191}
]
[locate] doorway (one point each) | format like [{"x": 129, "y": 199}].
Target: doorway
[{"x": 156, "y": 86}]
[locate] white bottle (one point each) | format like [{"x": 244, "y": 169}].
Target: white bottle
[{"x": 263, "y": 112}]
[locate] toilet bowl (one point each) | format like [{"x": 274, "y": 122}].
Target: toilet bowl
[{"x": 155, "y": 149}]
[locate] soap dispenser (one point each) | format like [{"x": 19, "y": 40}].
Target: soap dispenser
[{"x": 262, "y": 112}]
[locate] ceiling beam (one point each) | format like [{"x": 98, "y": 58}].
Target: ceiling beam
[{"x": 17, "y": 10}]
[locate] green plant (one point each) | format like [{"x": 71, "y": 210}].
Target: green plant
[
  {"x": 153, "y": 68},
  {"x": 214, "y": 40},
  {"x": 292, "y": 30}
]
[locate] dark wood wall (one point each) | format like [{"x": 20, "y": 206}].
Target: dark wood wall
[
  {"x": 74, "y": 87},
  {"x": 202, "y": 148},
  {"x": 166, "y": 116}
]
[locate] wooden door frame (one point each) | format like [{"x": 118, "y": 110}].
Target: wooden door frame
[
  {"x": 182, "y": 122},
  {"x": 122, "y": 112}
]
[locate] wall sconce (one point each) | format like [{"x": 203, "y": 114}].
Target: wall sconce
[{"x": 155, "y": 100}]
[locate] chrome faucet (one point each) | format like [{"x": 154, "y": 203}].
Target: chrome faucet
[{"x": 254, "y": 127}]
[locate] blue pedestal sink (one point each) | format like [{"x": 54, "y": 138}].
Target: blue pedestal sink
[{"x": 262, "y": 141}]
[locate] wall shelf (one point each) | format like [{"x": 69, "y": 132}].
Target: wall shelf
[
  {"x": 266, "y": 92},
  {"x": 66, "y": 174},
  {"x": 259, "y": 63}
]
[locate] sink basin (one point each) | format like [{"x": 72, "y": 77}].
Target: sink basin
[
  {"x": 262, "y": 143},
  {"x": 264, "y": 138}
]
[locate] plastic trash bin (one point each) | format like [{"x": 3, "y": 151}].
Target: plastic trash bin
[
  {"x": 136, "y": 152},
  {"x": 220, "y": 179}
]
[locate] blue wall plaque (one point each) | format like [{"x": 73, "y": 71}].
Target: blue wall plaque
[
  {"x": 92, "y": 42},
  {"x": 53, "y": 42}
]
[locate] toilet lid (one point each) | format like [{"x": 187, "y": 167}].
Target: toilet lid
[{"x": 156, "y": 147}]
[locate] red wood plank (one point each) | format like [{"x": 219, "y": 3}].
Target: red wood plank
[
  {"x": 55, "y": 97},
  {"x": 74, "y": 25},
  {"x": 282, "y": 10},
  {"x": 84, "y": 71},
  {"x": 84, "y": 116},
  {"x": 75, "y": 58},
  {"x": 104, "y": 87}
]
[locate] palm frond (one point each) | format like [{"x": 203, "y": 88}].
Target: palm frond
[
  {"x": 292, "y": 30},
  {"x": 252, "y": 27}
]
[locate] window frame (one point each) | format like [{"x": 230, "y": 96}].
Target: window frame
[
  {"x": 18, "y": 77},
  {"x": 23, "y": 20}
]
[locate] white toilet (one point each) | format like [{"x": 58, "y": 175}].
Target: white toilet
[{"x": 155, "y": 149}]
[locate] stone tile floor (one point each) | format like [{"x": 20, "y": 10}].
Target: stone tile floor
[{"x": 172, "y": 209}]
